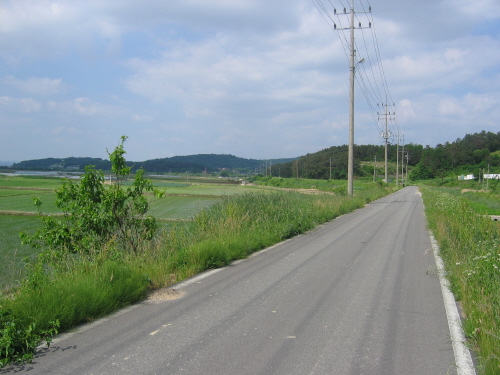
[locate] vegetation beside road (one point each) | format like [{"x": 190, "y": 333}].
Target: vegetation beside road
[{"x": 470, "y": 247}]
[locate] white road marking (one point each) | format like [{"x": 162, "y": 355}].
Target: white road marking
[{"x": 463, "y": 358}]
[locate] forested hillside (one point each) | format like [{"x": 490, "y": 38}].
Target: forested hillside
[
  {"x": 462, "y": 156},
  {"x": 209, "y": 162},
  {"x": 318, "y": 165},
  {"x": 469, "y": 155},
  {"x": 74, "y": 163}
]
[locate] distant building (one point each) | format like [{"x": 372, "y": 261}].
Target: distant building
[
  {"x": 492, "y": 176},
  {"x": 467, "y": 177}
]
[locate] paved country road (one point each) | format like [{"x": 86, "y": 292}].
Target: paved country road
[{"x": 358, "y": 295}]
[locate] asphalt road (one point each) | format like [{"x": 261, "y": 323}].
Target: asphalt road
[{"x": 359, "y": 295}]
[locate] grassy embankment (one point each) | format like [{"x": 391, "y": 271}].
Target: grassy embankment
[
  {"x": 79, "y": 289},
  {"x": 470, "y": 246}
]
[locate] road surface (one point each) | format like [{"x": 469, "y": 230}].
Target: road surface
[{"x": 358, "y": 295}]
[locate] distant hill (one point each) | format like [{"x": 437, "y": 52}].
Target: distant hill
[
  {"x": 209, "y": 162},
  {"x": 6, "y": 163},
  {"x": 176, "y": 164},
  {"x": 71, "y": 163}
]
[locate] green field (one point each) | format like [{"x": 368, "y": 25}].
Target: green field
[
  {"x": 22, "y": 200},
  {"x": 30, "y": 182},
  {"x": 206, "y": 189},
  {"x": 18, "y": 212},
  {"x": 179, "y": 207}
]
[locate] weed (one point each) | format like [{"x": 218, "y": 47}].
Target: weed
[
  {"x": 18, "y": 340},
  {"x": 470, "y": 247}
]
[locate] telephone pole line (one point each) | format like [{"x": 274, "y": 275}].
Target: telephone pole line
[
  {"x": 350, "y": 162},
  {"x": 400, "y": 137},
  {"x": 386, "y": 134},
  {"x": 403, "y": 163}
]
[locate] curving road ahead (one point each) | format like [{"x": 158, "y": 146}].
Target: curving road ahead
[{"x": 359, "y": 295}]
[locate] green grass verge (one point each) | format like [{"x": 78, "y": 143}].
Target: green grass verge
[
  {"x": 81, "y": 294},
  {"x": 470, "y": 247}
]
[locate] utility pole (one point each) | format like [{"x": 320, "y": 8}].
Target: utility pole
[
  {"x": 350, "y": 161},
  {"x": 488, "y": 179},
  {"x": 407, "y": 157},
  {"x": 386, "y": 134},
  {"x": 397, "y": 160},
  {"x": 403, "y": 164},
  {"x": 400, "y": 138},
  {"x": 374, "y": 165}
]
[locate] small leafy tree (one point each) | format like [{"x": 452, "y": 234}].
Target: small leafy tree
[{"x": 94, "y": 215}]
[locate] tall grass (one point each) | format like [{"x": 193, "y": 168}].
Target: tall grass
[
  {"x": 78, "y": 289},
  {"x": 79, "y": 294},
  {"x": 470, "y": 247},
  {"x": 12, "y": 252}
]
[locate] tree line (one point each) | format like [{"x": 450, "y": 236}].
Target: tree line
[
  {"x": 468, "y": 155},
  {"x": 472, "y": 154}
]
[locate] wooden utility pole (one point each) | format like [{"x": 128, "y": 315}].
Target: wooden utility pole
[{"x": 351, "y": 28}]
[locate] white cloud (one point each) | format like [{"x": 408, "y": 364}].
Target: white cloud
[
  {"x": 20, "y": 105},
  {"x": 84, "y": 107},
  {"x": 489, "y": 9},
  {"x": 36, "y": 86},
  {"x": 142, "y": 118}
]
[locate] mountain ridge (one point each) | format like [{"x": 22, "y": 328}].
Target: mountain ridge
[{"x": 193, "y": 163}]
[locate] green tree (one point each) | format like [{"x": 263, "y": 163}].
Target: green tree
[
  {"x": 95, "y": 215},
  {"x": 421, "y": 172}
]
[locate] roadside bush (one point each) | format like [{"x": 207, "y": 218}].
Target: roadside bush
[
  {"x": 18, "y": 340},
  {"x": 93, "y": 215}
]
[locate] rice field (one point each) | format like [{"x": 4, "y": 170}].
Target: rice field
[{"x": 18, "y": 212}]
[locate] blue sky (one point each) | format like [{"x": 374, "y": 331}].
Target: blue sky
[{"x": 253, "y": 78}]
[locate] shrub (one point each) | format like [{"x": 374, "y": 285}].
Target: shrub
[{"x": 93, "y": 215}]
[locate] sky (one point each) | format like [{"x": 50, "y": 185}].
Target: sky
[{"x": 258, "y": 79}]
